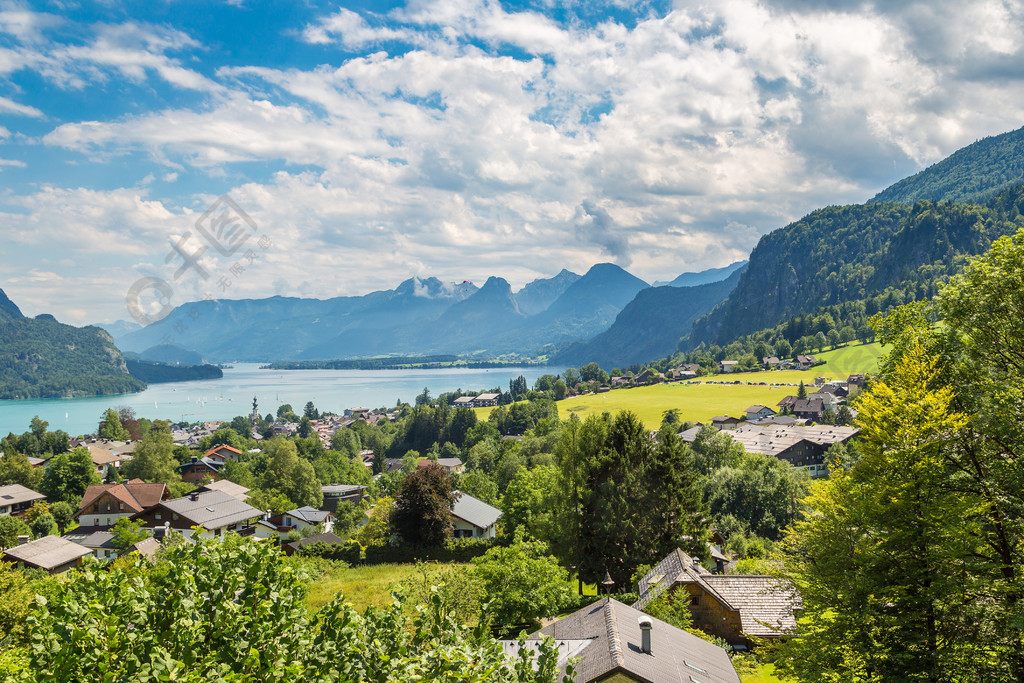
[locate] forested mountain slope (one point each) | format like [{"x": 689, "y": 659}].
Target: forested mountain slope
[
  {"x": 42, "y": 358},
  {"x": 971, "y": 174},
  {"x": 844, "y": 254}
]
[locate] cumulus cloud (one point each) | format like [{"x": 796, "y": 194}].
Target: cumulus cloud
[{"x": 462, "y": 139}]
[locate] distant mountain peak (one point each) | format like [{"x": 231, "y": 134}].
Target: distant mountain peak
[
  {"x": 8, "y": 306},
  {"x": 542, "y": 292},
  {"x": 703, "y": 277}
]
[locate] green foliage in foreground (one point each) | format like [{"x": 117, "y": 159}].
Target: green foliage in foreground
[{"x": 234, "y": 611}]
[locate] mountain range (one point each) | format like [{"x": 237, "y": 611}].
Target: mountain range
[{"x": 420, "y": 316}]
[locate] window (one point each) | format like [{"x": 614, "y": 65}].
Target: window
[
  {"x": 108, "y": 521},
  {"x": 156, "y": 516},
  {"x": 694, "y": 599}
]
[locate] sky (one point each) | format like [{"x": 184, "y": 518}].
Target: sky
[{"x": 164, "y": 151}]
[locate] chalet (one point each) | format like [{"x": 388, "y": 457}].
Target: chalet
[
  {"x": 787, "y": 403},
  {"x": 464, "y": 402},
  {"x": 725, "y": 422},
  {"x": 770, "y": 362},
  {"x": 104, "y": 504},
  {"x": 809, "y": 409},
  {"x": 619, "y": 381},
  {"x": 357, "y": 413},
  {"x": 229, "y": 487},
  {"x": 855, "y": 381},
  {"x": 146, "y": 548},
  {"x": 728, "y": 365},
  {"x": 690, "y": 367},
  {"x": 840, "y": 389},
  {"x": 648, "y": 376},
  {"x": 336, "y": 493},
  {"x": 804, "y": 362},
  {"x": 215, "y": 511},
  {"x": 99, "y": 543},
  {"x": 15, "y": 499},
  {"x": 801, "y": 446},
  {"x": 223, "y": 453},
  {"x": 103, "y": 459},
  {"x": 201, "y": 470},
  {"x": 827, "y": 398},
  {"x": 734, "y": 607},
  {"x": 617, "y": 643},
  {"x": 453, "y": 465},
  {"x": 486, "y": 400},
  {"x": 474, "y": 518},
  {"x": 756, "y": 412},
  {"x": 49, "y": 553},
  {"x": 305, "y": 518}
]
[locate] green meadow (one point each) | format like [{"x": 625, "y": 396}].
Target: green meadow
[{"x": 699, "y": 401}]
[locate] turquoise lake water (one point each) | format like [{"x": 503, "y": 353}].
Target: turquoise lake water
[{"x": 223, "y": 399}]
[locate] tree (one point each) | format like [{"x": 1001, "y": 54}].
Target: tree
[
  {"x": 291, "y": 475},
  {"x": 10, "y": 529},
  {"x": 761, "y": 490},
  {"x": 15, "y": 468},
  {"x": 63, "y": 514},
  {"x": 42, "y": 525},
  {"x": 310, "y": 411},
  {"x": 525, "y": 584},
  {"x": 560, "y": 390},
  {"x": 38, "y": 509},
  {"x": 153, "y": 460},
  {"x": 173, "y": 628},
  {"x": 127, "y": 532},
  {"x": 424, "y": 397},
  {"x": 423, "y": 507},
  {"x": 111, "y": 428},
  {"x": 305, "y": 427},
  {"x": 377, "y": 530},
  {"x": 801, "y": 392},
  {"x": 530, "y": 502},
  {"x": 68, "y": 475}
]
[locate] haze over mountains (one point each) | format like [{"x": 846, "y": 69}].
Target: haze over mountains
[{"x": 420, "y": 316}]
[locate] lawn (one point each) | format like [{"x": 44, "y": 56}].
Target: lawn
[
  {"x": 765, "y": 674},
  {"x": 362, "y": 586},
  {"x": 701, "y": 402}
]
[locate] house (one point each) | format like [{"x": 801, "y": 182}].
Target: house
[
  {"x": 147, "y": 548},
  {"x": 804, "y": 362},
  {"x": 855, "y": 381},
  {"x": 215, "y": 511},
  {"x": 49, "y": 553},
  {"x": 827, "y": 398},
  {"x": 486, "y": 400},
  {"x": 15, "y": 499},
  {"x": 103, "y": 504},
  {"x": 100, "y": 543},
  {"x": 464, "y": 402},
  {"x": 357, "y": 413},
  {"x": 328, "y": 538},
  {"x": 787, "y": 403},
  {"x": 336, "y": 493},
  {"x": 201, "y": 470},
  {"x": 690, "y": 367},
  {"x": 473, "y": 518},
  {"x": 229, "y": 487},
  {"x": 648, "y": 376},
  {"x": 801, "y": 446},
  {"x": 619, "y": 381},
  {"x": 808, "y": 408},
  {"x": 617, "y": 643},
  {"x": 304, "y": 518},
  {"x": 756, "y": 412},
  {"x": 453, "y": 465},
  {"x": 725, "y": 422},
  {"x": 770, "y": 362},
  {"x": 103, "y": 459},
  {"x": 223, "y": 453},
  {"x": 728, "y": 365},
  {"x": 734, "y": 607}
]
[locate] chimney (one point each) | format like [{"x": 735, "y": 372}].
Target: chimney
[
  {"x": 193, "y": 497},
  {"x": 23, "y": 539},
  {"x": 696, "y": 562},
  {"x": 645, "y": 634}
]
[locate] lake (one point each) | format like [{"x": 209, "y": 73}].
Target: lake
[{"x": 223, "y": 399}]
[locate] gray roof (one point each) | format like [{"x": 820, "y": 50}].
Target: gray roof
[
  {"x": 341, "y": 489},
  {"x": 48, "y": 552},
  {"x": 13, "y": 494},
  {"x": 475, "y": 511},
  {"x": 613, "y": 630},
  {"x": 328, "y": 537},
  {"x": 212, "y": 509},
  {"x": 309, "y": 514},
  {"x": 229, "y": 487},
  {"x": 91, "y": 539}
]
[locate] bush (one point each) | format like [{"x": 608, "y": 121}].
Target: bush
[
  {"x": 453, "y": 550},
  {"x": 348, "y": 552}
]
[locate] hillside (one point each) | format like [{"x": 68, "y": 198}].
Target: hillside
[
  {"x": 971, "y": 174},
  {"x": 844, "y": 254},
  {"x": 42, "y": 358},
  {"x": 539, "y": 294},
  {"x": 704, "y": 277},
  {"x": 650, "y": 326}
]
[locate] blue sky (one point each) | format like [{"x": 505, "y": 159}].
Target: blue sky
[{"x": 368, "y": 142}]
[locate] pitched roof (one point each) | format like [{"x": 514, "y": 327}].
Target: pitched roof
[
  {"x": 475, "y": 511},
  {"x": 614, "y": 635},
  {"x": 13, "y": 494},
  {"x": 48, "y": 552},
  {"x": 223, "y": 447},
  {"x": 447, "y": 463},
  {"x": 147, "y": 547},
  {"x": 765, "y": 604},
  {"x": 97, "y": 539},
  {"x": 211, "y": 509},
  {"x": 487, "y": 397},
  {"x": 327, "y": 537},
  {"x": 308, "y": 514},
  {"x": 229, "y": 487},
  {"x": 757, "y": 408},
  {"x": 101, "y": 456},
  {"x": 136, "y": 494}
]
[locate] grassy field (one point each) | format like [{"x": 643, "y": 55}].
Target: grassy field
[
  {"x": 362, "y": 586},
  {"x": 765, "y": 674},
  {"x": 701, "y": 402}
]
